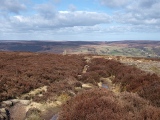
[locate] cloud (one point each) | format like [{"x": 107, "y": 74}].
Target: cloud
[
  {"x": 124, "y": 3},
  {"x": 46, "y": 10},
  {"x": 44, "y": 19},
  {"x": 72, "y": 7},
  {"x": 56, "y": 1},
  {"x": 60, "y": 19},
  {"x": 82, "y": 18},
  {"x": 134, "y": 16},
  {"x": 140, "y": 15},
  {"x": 140, "y": 12},
  {"x": 114, "y": 3},
  {"x": 148, "y": 3},
  {"x": 13, "y": 6}
]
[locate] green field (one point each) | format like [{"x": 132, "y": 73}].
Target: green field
[{"x": 118, "y": 51}]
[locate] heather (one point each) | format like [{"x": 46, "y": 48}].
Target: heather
[{"x": 101, "y": 104}]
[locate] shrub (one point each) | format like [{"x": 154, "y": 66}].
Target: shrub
[
  {"x": 130, "y": 78},
  {"x": 20, "y": 73},
  {"x": 101, "y": 104}
]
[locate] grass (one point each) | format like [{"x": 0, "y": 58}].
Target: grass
[
  {"x": 155, "y": 70},
  {"x": 115, "y": 50},
  {"x": 34, "y": 117},
  {"x": 63, "y": 97},
  {"x": 49, "y": 112}
]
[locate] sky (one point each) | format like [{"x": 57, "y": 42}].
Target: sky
[{"x": 80, "y": 20}]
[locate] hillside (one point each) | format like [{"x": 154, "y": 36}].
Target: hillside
[
  {"x": 62, "y": 87},
  {"x": 120, "y": 48}
]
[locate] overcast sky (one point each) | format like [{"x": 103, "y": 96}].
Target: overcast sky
[{"x": 94, "y": 20}]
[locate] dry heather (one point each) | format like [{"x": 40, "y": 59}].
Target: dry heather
[
  {"x": 101, "y": 104},
  {"x": 63, "y": 77},
  {"x": 20, "y": 73},
  {"x": 130, "y": 78}
]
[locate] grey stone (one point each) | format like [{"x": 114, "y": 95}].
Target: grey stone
[
  {"x": 1, "y": 117},
  {"x": 71, "y": 93},
  {"x": 78, "y": 88},
  {"x": 2, "y": 110},
  {"x": 7, "y": 103},
  {"x": 25, "y": 102},
  {"x": 87, "y": 86},
  {"x": 4, "y": 115},
  {"x": 14, "y": 101},
  {"x": 55, "y": 117}
]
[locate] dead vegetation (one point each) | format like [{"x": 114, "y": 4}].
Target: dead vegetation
[
  {"x": 129, "y": 78},
  {"x": 19, "y": 74},
  {"x": 49, "y": 80},
  {"x": 101, "y": 104}
]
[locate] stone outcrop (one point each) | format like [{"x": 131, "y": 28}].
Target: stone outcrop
[
  {"x": 5, "y": 107},
  {"x": 87, "y": 86},
  {"x": 4, "y": 114}
]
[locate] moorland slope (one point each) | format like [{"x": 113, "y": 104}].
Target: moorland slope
[{"x": 63, "y": 87}]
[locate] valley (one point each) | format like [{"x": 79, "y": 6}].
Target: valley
[{"x": 148, "y": 49}]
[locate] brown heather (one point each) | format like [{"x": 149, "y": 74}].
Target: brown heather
[
  {"x": 101, "y": 104},
  {"x": 23, "y": 72},
  {"x": 139, "y": 97},
  {"x": 130, "y": 78}
]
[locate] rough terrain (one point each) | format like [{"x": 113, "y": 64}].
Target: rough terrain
[{"x": 39, "y": 86}]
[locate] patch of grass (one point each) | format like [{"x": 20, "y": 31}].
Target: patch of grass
[
  {"x": 63, "y": 97},
  {"x": 155, "y": 70},
  {"x": 49, "y": 112},
  {"x": 34, "y": 116}
]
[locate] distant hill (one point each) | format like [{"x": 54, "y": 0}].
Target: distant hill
[
  {"x": 118, "y": 48},
  {"x": 41, "y": 46}
]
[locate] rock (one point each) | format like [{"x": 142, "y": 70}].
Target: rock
[
  {"x": 85, "y": 69},
  {"x": 1, "y": 117},
  {"x": 4, "y": 115},
  {"x": 58, "y": 103},
  {"x": 17, "y": 112},
  {"x": 7, "y": 103},
  {"x": 3, "y": 105},
  {"x": 40, "y": 95},
  {"x": 100, "y": 84},
  {"x": 2, "y": 110},
  {"x": 25, "y": 102},
  {"x": 55, "y": 117},
  {"x": 14, "y": 101},
  {"x": 71, "y": 93},
  {"x": 78, "y": 88},
  {"x": 26, "y": 97},
  {"x": 87, "y": 86},
  {"x": 104, "y": 86}
]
